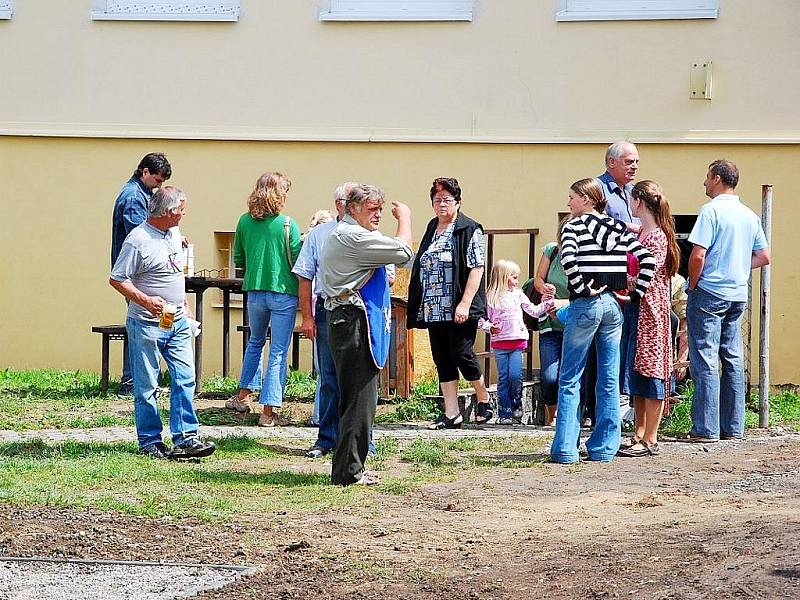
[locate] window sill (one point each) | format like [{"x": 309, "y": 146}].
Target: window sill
[
  {"x": 130, "y": 16},
  {"x": 394, "y": 16},
  {"x": 591, "y": 15}
]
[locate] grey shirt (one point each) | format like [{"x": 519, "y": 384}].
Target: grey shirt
[
  {"x": 152, "y": 260},
  {"x": 349, "y": 255}
]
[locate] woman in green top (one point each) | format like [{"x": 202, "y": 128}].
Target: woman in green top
[
  {"x": 266, "y": 246},
  {"x": 550, "y": 278}
]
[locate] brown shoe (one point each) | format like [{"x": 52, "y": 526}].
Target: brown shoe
[
  {"x": 237, "y": 404},
  {"x": 266, "y": 420}
]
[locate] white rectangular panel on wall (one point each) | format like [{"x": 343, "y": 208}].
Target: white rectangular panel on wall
[
  {"x": 6, "y": 9},
  {"x": 398, "y": 10},
  {"x": 165, "y": 10},
  {"x": 611, "y": 10}
]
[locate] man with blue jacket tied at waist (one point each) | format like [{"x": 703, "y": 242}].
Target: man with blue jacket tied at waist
[{"x": 356, "y": 289}]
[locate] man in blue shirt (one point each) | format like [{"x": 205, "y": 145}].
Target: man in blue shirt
[
  {"x": 728, "y": 242},
  {"x": 130, "y": 211},
  {"x": 622, "y": 162},
  {"x": 315, "y": 324}
]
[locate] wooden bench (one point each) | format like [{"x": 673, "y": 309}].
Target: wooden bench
[
  {"x": 109, "y": 332},
  {"x": 296, "y": 336}
]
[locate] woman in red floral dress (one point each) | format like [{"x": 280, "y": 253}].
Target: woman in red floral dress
[{"x": 652, "y": 365}]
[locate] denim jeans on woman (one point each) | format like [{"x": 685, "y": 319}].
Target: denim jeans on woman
[
  {"x": 276, "y": 312},
  {"x": 147, "y": 342},
  {"x": 550, "y": 343},
  {"x": 509, "y": 381},
  {"x": 715, "y": 336},
  {"x": 598, "y": 318}
]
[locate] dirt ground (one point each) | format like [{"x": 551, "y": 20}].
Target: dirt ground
[{"x": 720, "y": 521}]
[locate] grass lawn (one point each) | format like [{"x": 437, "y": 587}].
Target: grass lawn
[
  {"x": 46, "y": 399},
  {"x": 244, "y": 475},
  {"x": 784, "y": 411}
]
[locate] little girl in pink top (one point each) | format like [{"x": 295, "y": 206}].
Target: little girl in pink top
[{"x": 505, "y": 302}]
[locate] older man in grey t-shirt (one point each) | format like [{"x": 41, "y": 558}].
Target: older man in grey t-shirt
[
  {"x": 356, "y": 293},
  {"x": 149, "y": 273}
]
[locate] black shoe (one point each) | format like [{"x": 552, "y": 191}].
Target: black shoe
[
  {"x": 445, "y": 422},
  {"x": 316, "y": 452},
  {"x": 157, "y": 450},
  {"x": 125, "y": 389},
  {"x": 483, "y": 412},
  {"x": 192, "y": 447}
]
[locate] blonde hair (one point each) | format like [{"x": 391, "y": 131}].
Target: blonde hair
[
  {"x": 320, "y": 217},
  {"x": 269, "y": 195},
  {"x": 498, "y": 280}
]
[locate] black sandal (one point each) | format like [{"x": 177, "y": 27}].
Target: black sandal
[
  {"x": 640, "y": 449},
  {"x": 445, "y": 422},
  {"x": 483, "y": 412}
]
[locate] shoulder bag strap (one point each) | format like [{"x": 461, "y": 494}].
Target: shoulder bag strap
[{"x": 287, "y": 224}]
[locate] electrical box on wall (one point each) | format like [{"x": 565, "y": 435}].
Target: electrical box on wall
[{"x": 700, "y": 80}]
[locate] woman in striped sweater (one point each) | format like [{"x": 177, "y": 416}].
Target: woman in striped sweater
[{"x": 594, "y": 250}]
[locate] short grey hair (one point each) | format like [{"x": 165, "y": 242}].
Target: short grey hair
[
  {"x": 166, "y": 199},
  {"x": 342, "y": 190},
  {"x": 617, "y": 149},
  {"x": 362, "y": 192}
]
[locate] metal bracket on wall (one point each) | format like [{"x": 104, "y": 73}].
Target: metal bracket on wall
[{"x": 700, "y": 80}]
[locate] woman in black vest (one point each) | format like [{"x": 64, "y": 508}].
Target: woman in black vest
[{"x": 447, "y": 296}]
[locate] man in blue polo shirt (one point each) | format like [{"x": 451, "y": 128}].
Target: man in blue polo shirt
[
  {"x": 622, "y": 162},
  {"x": 130, "y": 211},
  {"x": 728, "y": 242}
]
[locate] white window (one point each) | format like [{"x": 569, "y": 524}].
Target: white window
[
  {"x": 621, "y": 10},
  {"x": 6, "y": 9},
  {"x": 398, "y": 10},
  {"x": 165, "y": 10}
]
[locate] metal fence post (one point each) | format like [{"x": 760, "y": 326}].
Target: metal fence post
[{"x": 763, "y": 330}]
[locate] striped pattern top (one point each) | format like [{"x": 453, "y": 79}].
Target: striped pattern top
[{"x": 595, "y": 247}]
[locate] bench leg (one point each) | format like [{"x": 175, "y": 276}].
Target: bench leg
[{"x": 104, "y": 364}]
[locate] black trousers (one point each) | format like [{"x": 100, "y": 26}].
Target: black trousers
[{"x": 358, "y": 391}]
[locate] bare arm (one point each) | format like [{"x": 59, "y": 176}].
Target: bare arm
[
  {"x": 402, "y": 213},
  {"x": 697, "y": 259},
  {"x": 308, "y": 326},
  {"x": 470, "y": 289},
  {"x": 539, "y": 280},
  {"x": 154, "y": 304},
  {"x": 760, "y": 258}
]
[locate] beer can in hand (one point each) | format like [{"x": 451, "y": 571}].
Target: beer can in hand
[{"x": 167, "y": 316}]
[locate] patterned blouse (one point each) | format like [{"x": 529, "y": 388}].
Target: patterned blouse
[
  {"x": 653, "y": 336},
  {"x": 436, "y": 274}
]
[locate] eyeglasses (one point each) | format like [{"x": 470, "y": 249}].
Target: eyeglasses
[{"x": 445, "y": 201}]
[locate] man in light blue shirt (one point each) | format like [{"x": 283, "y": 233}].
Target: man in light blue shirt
[
  {"x": 728, "y": 242},
  {"x": 315, "y": 326}
]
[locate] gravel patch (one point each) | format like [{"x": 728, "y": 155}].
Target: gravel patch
[{"x": 33, "y": 579}]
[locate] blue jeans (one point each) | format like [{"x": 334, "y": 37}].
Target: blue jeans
[
  {"x": 276, "y": 312},
  {"x": 627, "y": 346},
  {"x": 509, "y": 381},
  {"x": 145, "y": 343},
  {"x": 327, "y": 383},
  {"x": 549, "y": 361},
  {"x": 598, "y": 318},
  {"x": 715, "y": 336}
]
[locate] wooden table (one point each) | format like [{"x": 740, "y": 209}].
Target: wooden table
[{"x": 198, "y": 286}]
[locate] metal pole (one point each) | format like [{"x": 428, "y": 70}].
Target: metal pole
[{"x": 763, "y": 330}]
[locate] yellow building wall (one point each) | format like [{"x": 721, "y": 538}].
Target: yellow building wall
[
  {"x": 514, "y": 73},
  {"x": 57, "y": 195}
]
